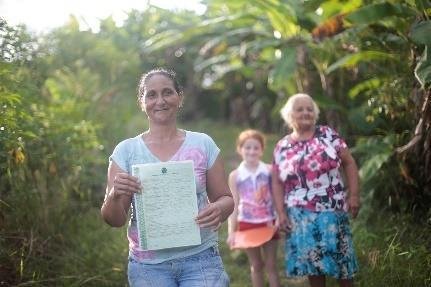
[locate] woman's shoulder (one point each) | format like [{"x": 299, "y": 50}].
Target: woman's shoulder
[
  {"x": 199, "y": 136},
  {"x": 326, "y": 131},
  {"x": 283, "y": 142},
  {"x": 129, "y": 142},
  {"x": 324, "y": 128}
]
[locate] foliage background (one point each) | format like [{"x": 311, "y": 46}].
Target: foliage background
[{"x": 68, "y": 97}]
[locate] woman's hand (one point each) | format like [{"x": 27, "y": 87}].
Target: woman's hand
[
  {"x": 354, "y": 205},
  {"x": 118, "y": 198},
  {"x": 125, "y": 184},
  {"x": 352, "y": 175},
  {"x": 283, "y": 223},
  {"x": 210, "y": 216}
]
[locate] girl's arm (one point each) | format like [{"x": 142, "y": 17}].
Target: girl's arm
[
  {"x": 233, "y": 218},
  {"x": 278, "y": 196},
  {"x": 221, "y": 203},
  {"x": 352, "y": 176},
  {"x": 118, "y": 197}
]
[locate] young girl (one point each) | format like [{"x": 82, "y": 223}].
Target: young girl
[{"x": 250, "y": 184}]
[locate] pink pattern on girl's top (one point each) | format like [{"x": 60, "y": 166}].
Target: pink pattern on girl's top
[
  {"x": 255, "y": 198},
  {"x": 310, "y": 170}
]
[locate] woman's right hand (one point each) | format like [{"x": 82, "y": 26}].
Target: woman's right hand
[
  {"x": 284, "y": 223},
  {"x": 125, "y": 184}
]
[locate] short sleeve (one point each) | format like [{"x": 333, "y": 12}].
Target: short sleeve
[
  {"x": 276, "y": 159},
  {"x": 212, "y": 150},
  {"x": 120, "y": 156},
  {"x": 336, "y": 140}
]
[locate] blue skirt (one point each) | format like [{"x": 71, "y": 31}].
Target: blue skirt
[{"x": 320, "y": 243}]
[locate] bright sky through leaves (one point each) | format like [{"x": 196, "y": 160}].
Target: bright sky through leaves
[{"x": 43, "y": 15}]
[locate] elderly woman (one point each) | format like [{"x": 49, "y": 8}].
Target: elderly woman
[{"x": 311, "y": 200}]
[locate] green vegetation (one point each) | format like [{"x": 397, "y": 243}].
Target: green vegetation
[{"x": 67, "y": 97}]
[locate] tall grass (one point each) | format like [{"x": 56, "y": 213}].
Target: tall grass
[
  {"x": 59, "y": 242},
  {"x": 393, "y": 250}
]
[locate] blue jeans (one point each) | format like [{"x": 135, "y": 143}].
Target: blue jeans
[{"x": 204, "y": 269}]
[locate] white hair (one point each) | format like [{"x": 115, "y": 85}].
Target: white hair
[{"x": 286, "y": 110}]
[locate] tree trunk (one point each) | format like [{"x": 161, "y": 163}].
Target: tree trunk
[{"x": 419, "y": 148}]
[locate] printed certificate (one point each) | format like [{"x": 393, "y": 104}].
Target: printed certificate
[{"x": 167, "y": 205}]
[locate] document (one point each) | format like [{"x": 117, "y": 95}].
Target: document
[{"x": 167, "y": 205}]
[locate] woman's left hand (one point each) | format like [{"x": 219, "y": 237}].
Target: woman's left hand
[
  {"x": 354, "y": 205},
  {"x": 210, "y": 216}
]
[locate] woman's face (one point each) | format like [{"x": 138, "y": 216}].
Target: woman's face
[
  {"x": 251, "y": 151},
  {"x": 303, "y": 114},
  {"x": 160, "y": 100}
]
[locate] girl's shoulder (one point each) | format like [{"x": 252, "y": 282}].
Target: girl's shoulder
[
  {"x": 242, "y": 172},
  {"x": 264, "y": 168},
  {"x": 268, "y": 166},
  {"x": 233, "y": 172}
]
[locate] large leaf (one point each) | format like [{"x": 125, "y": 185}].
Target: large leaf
[
  {"x": 423, "y": 69},
  {"x": 214, "y": 26},
  {"x": 326, "y": 103},
  {"x": 421, "y": 33},
  {"x": 422, "y": 4},
  {"x": 377, "y": 151},
  {"x": 353, "y": 59},
  {"x": 372, "y": 165},
  {"x": 367, "y": 85},
  {"x": 281, "y": 16},
  {"x": 284, "y": 69},
  {"x": 376, "y": 12}
]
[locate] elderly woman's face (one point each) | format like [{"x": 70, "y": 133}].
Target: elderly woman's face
[{"x": 303, "y": 114}]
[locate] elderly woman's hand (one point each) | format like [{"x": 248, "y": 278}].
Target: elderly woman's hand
[
  {"x": 354, "y": 205},
  {"x": 125, "y": 184},
  {"x": 283, "y": 223},
  {"x": 210, "y": 216}
]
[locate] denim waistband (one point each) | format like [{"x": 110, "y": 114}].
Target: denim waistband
[{"x": 212, "y": 251}]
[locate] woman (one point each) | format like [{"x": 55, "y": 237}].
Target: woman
[
  {"x": 160, "y": 97},
  {"x": 310, "y": 197}
]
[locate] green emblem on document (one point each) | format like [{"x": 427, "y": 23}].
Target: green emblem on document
[{"x": 164, "y": 170}]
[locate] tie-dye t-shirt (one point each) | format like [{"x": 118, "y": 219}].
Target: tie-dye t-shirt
[
  {"x": 203, "y": 151},
  {"x": 310, "y": 171},
  {"x": 255, "y": 198}
]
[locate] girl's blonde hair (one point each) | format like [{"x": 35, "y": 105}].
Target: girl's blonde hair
[
  {"x": 250, "y": 133},
  {"x": 286, "y": 110}
]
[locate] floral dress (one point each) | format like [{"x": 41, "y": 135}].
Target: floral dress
[{"x": 320, "y": 242}]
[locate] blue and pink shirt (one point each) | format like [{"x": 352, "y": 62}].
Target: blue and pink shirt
[
  {"x": 198, "y": 147},
  {"x": 254, "y": 191}
]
